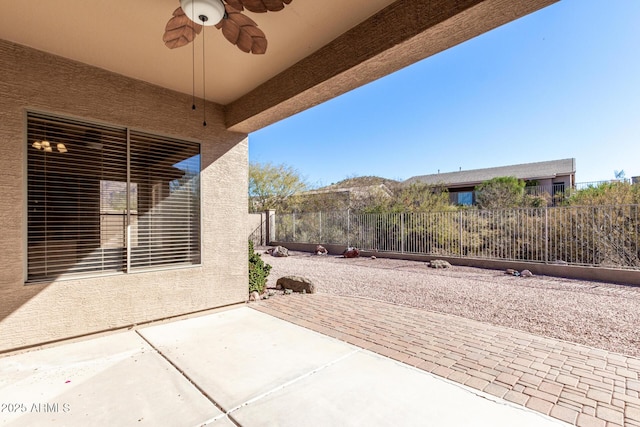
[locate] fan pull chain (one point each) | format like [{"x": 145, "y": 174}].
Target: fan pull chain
[
  {"x": 193, "y": 68},
  {"x": 204, "y": 91}
]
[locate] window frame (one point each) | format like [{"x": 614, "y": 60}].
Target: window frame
[{"x": 126, "y": 269}]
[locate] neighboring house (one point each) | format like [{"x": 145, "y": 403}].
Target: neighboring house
[
  {"x": 551, "y": 177},
  {"x": 117, "y": 206}
]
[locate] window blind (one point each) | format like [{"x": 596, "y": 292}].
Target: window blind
[
  {"x": 103, "y": 200},
  {"x": 166, "y": 229}
]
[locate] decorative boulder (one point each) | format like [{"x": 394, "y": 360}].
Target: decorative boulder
[
  {"x": 279, "y": 251},
  {"x": 351, "y": 252},
  {"x": 321, "y": 250},
  {"x": 254, "y": 296},
  {"x": 296, "y": 284},
  {"x": 439, "y": 263},
  {"x": 526, "y": 273},
  {"x": 512, "y": 272}
]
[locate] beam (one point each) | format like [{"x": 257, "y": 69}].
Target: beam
[{"x": 403, "y": 33}]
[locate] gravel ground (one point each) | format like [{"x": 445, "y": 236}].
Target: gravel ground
[{"x": 601, "y": 315}]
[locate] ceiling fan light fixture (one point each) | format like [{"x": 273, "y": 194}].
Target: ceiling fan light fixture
[{"x": 203, "y": 12}]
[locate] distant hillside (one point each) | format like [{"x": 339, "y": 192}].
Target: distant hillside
[{"x": 361, "y": 181}]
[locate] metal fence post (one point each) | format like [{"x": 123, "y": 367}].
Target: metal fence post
[
  {"x": 402, "y": 232},
  {"x": 546, "y": 234},
  {"x": 460, "y": 234},
  {"x": 348, "y": 228}
]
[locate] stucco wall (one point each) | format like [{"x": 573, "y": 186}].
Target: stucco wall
[{"x": 36, "y": 313}]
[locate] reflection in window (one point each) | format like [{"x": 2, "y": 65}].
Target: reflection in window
[
  {"x": 113, "y": 213},
  {"x": 110, "y": 201},
  {"x": 465, "y": 198}
]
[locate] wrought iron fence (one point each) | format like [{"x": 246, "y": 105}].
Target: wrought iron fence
[
  {"x": 587, "y": 235},
  {"x": 593, "y": 184}
]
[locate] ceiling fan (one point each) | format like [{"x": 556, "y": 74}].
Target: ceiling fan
[{"x": 239, "y": 29}]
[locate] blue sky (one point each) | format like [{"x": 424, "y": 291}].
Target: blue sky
[{"x": 563, "y": 82}]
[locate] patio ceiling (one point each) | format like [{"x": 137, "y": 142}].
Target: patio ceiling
[{"x": 317, "y": 49}]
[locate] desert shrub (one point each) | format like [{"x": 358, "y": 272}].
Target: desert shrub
[
  {"x": 609, "y": 193},
  {"x": 500, "y": 193},
  {"x": 536, "y": 200},
  {"x": 417, "y": 197},
  {"x": 258, "y": 271}
]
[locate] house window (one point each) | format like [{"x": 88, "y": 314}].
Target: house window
[
  {"x": 105, "y": 199},
  {"x": 465, "y": 198}
]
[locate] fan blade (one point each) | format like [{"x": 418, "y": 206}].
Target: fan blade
[
  {"x": 230, "y": 30},
  {"x": 180, "y": 30},
  {"x": 261, "y": 6},
  {"x": 273, "y": 5},
  {"x": 243, "y": 32},
  {"x": 236, "y": 4}
]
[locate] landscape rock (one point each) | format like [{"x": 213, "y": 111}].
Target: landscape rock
[
  {"x": 512, "y": 272},
  {"x": 351, "y": 252},
  {"x": 254, "y": 296},
  {"x": 373, "y": 257},
  {"x": 279, "y": 251},
  {"x": 526, "y": 273},
  {"x": 439, "y": 263},
  {"x": 296, "y": 284},
  {"x": 321, "y": 250}
]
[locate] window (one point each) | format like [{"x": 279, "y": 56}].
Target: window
[
  {"x": 465, "y": 198},
  {"x": 104, "y": 199}
]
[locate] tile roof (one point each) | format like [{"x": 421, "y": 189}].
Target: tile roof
[{"x": 538, "y": 170}]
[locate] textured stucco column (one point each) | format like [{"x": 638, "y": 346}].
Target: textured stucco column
[{"x": 271, "y": 226}]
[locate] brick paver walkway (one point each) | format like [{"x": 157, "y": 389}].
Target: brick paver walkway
[{"x": 577, "y": 384}]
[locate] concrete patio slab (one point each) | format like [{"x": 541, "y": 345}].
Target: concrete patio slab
[
  {"x": 264, "y": 371},
  {"x": 114, "y": 380},
  {"x": 238, "y": 367},
  {"x": 366, "y": 389},
  {"x": 239, "y": 354},
  {"x": 220, "y": 421}
]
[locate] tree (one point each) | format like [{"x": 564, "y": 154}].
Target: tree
[
  {"x": 502, "y": 192},
  {"x": 273, "y": 186}
]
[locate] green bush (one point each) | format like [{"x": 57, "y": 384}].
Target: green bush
[
  {"x": 503, "y": 192},
  {"x": 258, "y": 271},
  {"x": 609, "y": 193}
]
